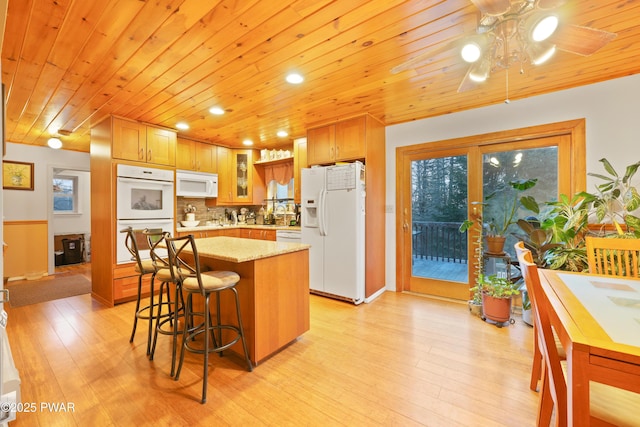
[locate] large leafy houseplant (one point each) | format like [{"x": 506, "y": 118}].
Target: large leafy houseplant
[
  {"x": 508, "y": 199},
  {"x": 616, "y": 198},
  {"x": 568, "y": 222},
  {"x": 504, "y": 204},
  {"x": 564, "y": 223}
]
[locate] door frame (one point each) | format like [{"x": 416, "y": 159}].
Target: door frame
[{"x": 573, "y": 179}]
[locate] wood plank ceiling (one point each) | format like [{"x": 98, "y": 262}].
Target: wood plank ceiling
[{"x": 67, "y": 64}]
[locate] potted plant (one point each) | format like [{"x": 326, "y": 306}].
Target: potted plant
[
  {"x": 475, "y": 303},
  {"x": 497, "y": 293},
  {"x": 616, "y": 198},
  {"x": 503, "y": 204}
]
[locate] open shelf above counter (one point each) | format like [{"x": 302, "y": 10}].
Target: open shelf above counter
[{"x": 274, "y": 161}]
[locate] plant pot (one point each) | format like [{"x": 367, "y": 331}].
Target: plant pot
[
  {"x": 495, "y": 245},
  {"x": 475, "y": 308},
  {"x": 526, "y": 317},
  {"x": 496, "y": 309}
]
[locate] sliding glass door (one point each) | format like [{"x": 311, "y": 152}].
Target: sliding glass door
[{"x": 439, "y": 187}]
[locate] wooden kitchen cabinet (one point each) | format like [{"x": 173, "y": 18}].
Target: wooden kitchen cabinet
[
  {"x": 143, "y": 143},
  {"x": 299, "y": 163},
  {"x": 196, "y": 156},
  {"x": 340, "y": 141},
  {"x": 258, "y": 233},
  {"x": 359, "y": 138},
  {"x": 239, "y": 182},
  {"x": 115, "y": 141},
  {"x": 228, "y": 232}
]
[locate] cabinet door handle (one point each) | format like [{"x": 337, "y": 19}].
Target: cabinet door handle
[
  {"x": 141, "y": 154},
  {"x": 149, "y": 155}
]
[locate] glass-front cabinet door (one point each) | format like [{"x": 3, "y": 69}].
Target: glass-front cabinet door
[{"x": 242, "y": 176}]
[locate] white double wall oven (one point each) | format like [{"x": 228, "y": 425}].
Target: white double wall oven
[{"x": 144, "y": 201}]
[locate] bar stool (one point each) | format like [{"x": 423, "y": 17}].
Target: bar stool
[
  {"x": 194, "y": 281},
  {"x": 142, "y": 267},
  {"x": 166, "y": 323}
]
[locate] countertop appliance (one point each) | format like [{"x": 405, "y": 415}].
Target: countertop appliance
[
  {"x": 333, "y": 223},
  {"x": 196, "y": 184}
]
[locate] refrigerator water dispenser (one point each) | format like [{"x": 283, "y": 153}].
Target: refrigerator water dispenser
[{"x": 310, "y": 217}]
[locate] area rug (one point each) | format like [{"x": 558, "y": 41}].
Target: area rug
[{"x": 26, "y": 293}]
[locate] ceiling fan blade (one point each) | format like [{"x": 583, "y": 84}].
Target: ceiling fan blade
[
  {"x": 421, "y": 58},
  {"x": 581, "y": 40},
  {"x": 550, "y": 4},
  {"x": 492, "y": 7},
  {"x": 467, "y": 84}
]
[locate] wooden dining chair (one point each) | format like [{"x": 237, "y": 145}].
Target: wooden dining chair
[
  {"x": 613, "y": 256},
  {"x": 524, "y": 255},
  {"x": 616, "y": 404}
]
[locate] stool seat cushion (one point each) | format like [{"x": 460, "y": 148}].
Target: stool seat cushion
[
  {"x": 164, "y": 274},
  {"x": 211, "y": 281},
  {"x": 147, "y": 267}
]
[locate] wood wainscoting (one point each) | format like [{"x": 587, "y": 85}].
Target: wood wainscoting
[{"x": 26, "y": 254}]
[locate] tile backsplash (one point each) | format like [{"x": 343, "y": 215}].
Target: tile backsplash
[{"x": 201, "y": 213}]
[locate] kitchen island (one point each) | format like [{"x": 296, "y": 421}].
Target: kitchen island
[{"x": 273, "y": 289}]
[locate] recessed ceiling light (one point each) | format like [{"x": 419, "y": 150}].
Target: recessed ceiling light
[
  {"x": 182, "y": 126},
  {"x": 216, "y": 110},
  {"x": 247, "y": 142},
  {"x": 54, "y": 143},
  {"x": 282, "y": 133},
  {"x": 295, "y": 78}
]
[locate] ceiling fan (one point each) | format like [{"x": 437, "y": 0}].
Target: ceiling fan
[{"x": 513, "y": 33}]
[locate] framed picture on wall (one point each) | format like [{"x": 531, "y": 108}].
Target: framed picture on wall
[{"x": 17, "y": 175}]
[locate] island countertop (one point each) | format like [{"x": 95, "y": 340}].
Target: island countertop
[
  {"x": 235, "y": 249},
  {"x": 273, "y": 289}
]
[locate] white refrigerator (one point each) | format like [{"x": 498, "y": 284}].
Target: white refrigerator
[{"x": 333, "y": 223}]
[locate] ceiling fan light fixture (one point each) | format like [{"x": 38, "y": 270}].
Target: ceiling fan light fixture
[
  {"x": 540, "y": 54},
  {"x": 544, "y": 27},
  {"x": 480, "y": 71},
  {"x": 471, "y": 52}
]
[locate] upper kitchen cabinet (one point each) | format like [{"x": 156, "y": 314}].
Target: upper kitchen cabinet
[
  {"x": 341, "y": 141},
  {"x": 239, "y": 182},
  {"x": 143, "y": 143},
  {"x": 299, "y": 163},
  {"x": 196, "y": 156},
  {"x": 359, "y": 138}
]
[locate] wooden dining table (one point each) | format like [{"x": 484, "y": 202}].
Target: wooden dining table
[{"x": 597, "y": 319}]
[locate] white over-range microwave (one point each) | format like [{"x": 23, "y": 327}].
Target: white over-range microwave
[{"x": 196, "y": 184}]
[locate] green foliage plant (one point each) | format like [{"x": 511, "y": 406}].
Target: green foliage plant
[
  {"x": 535, "y": 238},
  {"x": 507, "y": 196},
  {"x": 468, "y": 225},
  {"x": 497, "y": 287},
  {"x": 568, "y": 222},
  {"x": 616, "y": 198}
]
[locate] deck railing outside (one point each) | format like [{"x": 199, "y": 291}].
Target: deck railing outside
[{"x": 439, "y": 241}]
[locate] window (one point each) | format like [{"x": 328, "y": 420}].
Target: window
[{"x": 65, "y": 194}]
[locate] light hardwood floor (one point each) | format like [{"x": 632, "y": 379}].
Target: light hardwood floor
[{"x": 402, "y": 360}]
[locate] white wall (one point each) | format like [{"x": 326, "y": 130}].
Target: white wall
[
  {"x": 612, "y": 131},
  {"x": 37, "y": 205}
]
